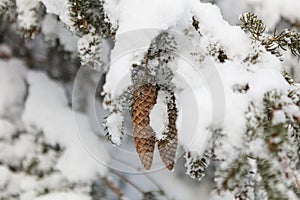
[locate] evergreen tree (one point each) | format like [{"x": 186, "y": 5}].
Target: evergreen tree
[{"x": 253, "y": 153}]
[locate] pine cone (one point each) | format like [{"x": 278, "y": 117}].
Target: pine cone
[
  {"x": 144, "y": 98},
  {"x": 167, "y": 147}
]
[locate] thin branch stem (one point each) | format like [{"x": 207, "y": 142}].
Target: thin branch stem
[
  {"x": 124, "y": 178},
  {"x": 114, "y": 187}
]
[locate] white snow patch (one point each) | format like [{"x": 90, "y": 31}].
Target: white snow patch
[
  {"x": 195, "y": 109},
  {"x": 64, "y": 196},
  {"x": 136, "y": 14},
  {"x": 47, "y": 108},
  {"x": 6, "y": 129},
  {"x": 5, "y": 50},
  {"x": 52, "y": 29},
  {"x": 234, "y": 41},
  {"x": 114, "y": 125},
  {"x": 278, "y": 117},
  {"x": 12, "y": 84},
  {"x": 59, "y": 8},
  {"x": 27, "y": 13},
  {"x": 159, "y": 115},
  {"x": 4, "y": 176}
]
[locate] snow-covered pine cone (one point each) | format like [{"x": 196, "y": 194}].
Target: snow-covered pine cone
[
  {"x": 168, "y": 146},
  {"x": 144, "y": 98}
]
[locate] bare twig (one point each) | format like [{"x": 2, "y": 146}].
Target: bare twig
[
  {"x": 124, "y": 178},
  {"x": 114, "y": 187},
  {"x": 140, "y": 170}
]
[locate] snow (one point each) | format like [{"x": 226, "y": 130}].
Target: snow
[
  {"x": 159, "y": 116},
  {"x": 137, "y": 26},
  {"x": 138, "y": 22},
  {"x": 114, "y": 124},
  {"x": 52, "y": 29},
  {"x": 237, "y": 104},
  {"x": 129, "y": 48},
  {"x": 12, "y": 84},
  {"x": 5, "y": 50},
  {"x": 110, "y": 9},
  {"x": 223, "y": 196},
  {"x": 292, "y": 110},
  {"x": 270, "y": 11},
  {"x": 59, "y": 8},
  {"x": 136, "y": 14},
  {"x": 235, "y": 41},
  {"x": 47, "y": 100},
  {"x": 261, "y": 78},
  {"x": 27, "y": 13},
  {"x": 89, "y": 48},
  {"x": 259, "y": 147},
  {"x": 278, "y": 117},
  {"x": 192, "y": 89},
  {"x": 64, "y": 196},
  {"x": 6, "y": 129},
  {"x": 4, "y": 176},
  {"x": 118, "y": 76},
  {"x": 194, "y": 99}
]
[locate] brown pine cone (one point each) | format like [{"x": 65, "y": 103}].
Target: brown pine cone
[
  {"x": 168, "y": 147},
  {"x": 144, "y": 98}
]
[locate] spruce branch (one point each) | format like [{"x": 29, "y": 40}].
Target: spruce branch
[
  {"x": 88, "y": 15},
  {"x": 271, "y": 180},
  {"x": 197, "y": 165},
  {"x": 288, "y": 77},
  {"x": 285, "y": 40},
  {"x": 113, "y": 130},
  {"x": 279, "y": 141},
  {"x": 235, "y": 177},
  {"x": 255, "y": 26}
]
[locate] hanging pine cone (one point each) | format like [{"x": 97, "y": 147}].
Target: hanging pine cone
[
  {"x": 168, "y": 146},
  {"x": 144, "y": 98}
]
